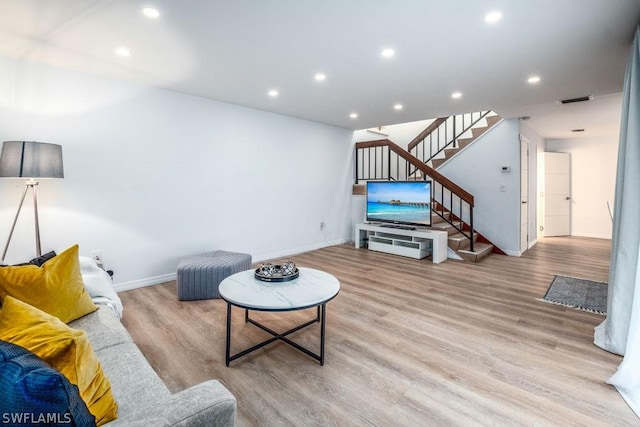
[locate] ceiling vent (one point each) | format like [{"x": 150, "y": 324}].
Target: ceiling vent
[{"x": 580, "y": 99}]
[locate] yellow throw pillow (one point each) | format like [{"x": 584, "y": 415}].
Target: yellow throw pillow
[
  {"x": 65, "y": 349},
  {"x": 55, "y": 288}
]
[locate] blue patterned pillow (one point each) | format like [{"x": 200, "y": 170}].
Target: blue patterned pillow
[{"x": 33, "y": 393}]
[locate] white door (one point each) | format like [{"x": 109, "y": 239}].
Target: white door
[
  {"x": 540, "y": 193},
  {"x": 557, "y": 194},
  {"x": 524, "y": 196}
]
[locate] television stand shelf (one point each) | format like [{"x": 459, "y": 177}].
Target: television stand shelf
[{"x": 415, "y": 243}]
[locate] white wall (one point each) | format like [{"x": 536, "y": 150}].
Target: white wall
[
  {"x": 402, "y": 134},
  {"x": 477, "y": 170},
  {"x": 152, "y": 175},
  {"x": 593, "y": 178}
]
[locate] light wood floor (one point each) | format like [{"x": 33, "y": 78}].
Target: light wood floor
[{"x": 409, "y": 343}]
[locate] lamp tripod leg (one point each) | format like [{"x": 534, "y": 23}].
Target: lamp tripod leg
[
  {"x": 35, "y": 213},
  {"x": 13, "y": 226}
]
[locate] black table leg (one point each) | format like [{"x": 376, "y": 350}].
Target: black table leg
[
  {"x": 228, "y": 349},
  {"x": 320, "y": 317},
  {"x": 322, "y": 327}
]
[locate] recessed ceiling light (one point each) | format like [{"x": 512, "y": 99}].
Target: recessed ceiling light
[
  {"x": 273, "y": 93},
  {"x": 397, "y": 107},
  {"x": 533, "y": 80},
  {"x": 388, "y": 53},
  {"x": 320, "y": 77},
  {"x": 353, "y": 115},
  {"x": 123, "y": 51},
  {"x": 493, "y": 17},
  {"x": 456, "y": 95},
  {"x": 150, "y": 12}
]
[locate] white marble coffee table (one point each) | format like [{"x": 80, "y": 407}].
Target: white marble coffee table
[{"x": 313, "y": 288}]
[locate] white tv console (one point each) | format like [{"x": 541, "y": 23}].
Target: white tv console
[{"x": 418, "y": 243}]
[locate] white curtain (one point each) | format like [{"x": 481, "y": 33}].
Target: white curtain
[{"x": 620, "y": 332}]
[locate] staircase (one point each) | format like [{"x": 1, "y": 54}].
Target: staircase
[
  {"x": 452, "y": 205},
  {"x": 459, "y": 244},
  {"x": 447, "y": 136}
]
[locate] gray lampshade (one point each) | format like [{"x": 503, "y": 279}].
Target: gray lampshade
[{"x": 23, "y": 159}]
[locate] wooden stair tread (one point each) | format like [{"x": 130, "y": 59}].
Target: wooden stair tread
[
  {"x": 462, "y": 237},
  {"x": 444, "y": 226},
  {"x": 459, "y": 241},
  {"x": 458, "y": 236},
  {"x": 476, "y": 132},
  {"x": 463, "y": 142},
  {"x": 437, "y": 219},
  {"x": 492, "y": 120},
  {"x": 437, "y": 162},
  {"x": 480, "y": 250}
]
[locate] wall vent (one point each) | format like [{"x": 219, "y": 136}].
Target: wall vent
[{"x": 580, "y": 99}]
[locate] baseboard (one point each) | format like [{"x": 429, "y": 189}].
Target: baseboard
[
  {"x": 519, "y": 253},
  {"x": 512, "y": 253},
  {"x": 296, "y": 251},
  {"x": 150, "y": 281},
  {"x": 592, "y": 235}
]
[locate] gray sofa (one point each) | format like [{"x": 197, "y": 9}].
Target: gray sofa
[{"x": 142, "y": 397}]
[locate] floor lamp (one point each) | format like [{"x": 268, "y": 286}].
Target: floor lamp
[{"x": 22, "y": 159}]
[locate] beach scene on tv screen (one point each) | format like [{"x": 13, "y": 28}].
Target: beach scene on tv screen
[{"x": 403, "y": 202}]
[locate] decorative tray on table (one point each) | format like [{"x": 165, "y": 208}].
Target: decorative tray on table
[{"x": 284, "y": 272}]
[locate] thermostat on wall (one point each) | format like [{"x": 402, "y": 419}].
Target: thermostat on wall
[{"x": 505, "y": 168}]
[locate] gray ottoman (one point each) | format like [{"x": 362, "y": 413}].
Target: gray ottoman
[{"x": 199, "y": 275}]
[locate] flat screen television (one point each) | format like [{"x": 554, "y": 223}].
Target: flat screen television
[{"x": 405, "y": 203}]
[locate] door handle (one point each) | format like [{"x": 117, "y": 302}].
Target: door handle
[
  {"x": 567, "y": 198},
  {"x": 524, "y": 202}
]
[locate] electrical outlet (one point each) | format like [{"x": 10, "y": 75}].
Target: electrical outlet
[
  {"x": 97, "y": 256},
  {"x": 322, "y": 225}
]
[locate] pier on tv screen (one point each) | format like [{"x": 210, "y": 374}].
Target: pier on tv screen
[{"x": 399, "y": 202}]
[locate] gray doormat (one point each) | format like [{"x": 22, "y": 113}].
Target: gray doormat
[{"x": 578, "y": 293}]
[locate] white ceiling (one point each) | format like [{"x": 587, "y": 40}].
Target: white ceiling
[{"x": 236, "y": 50}]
